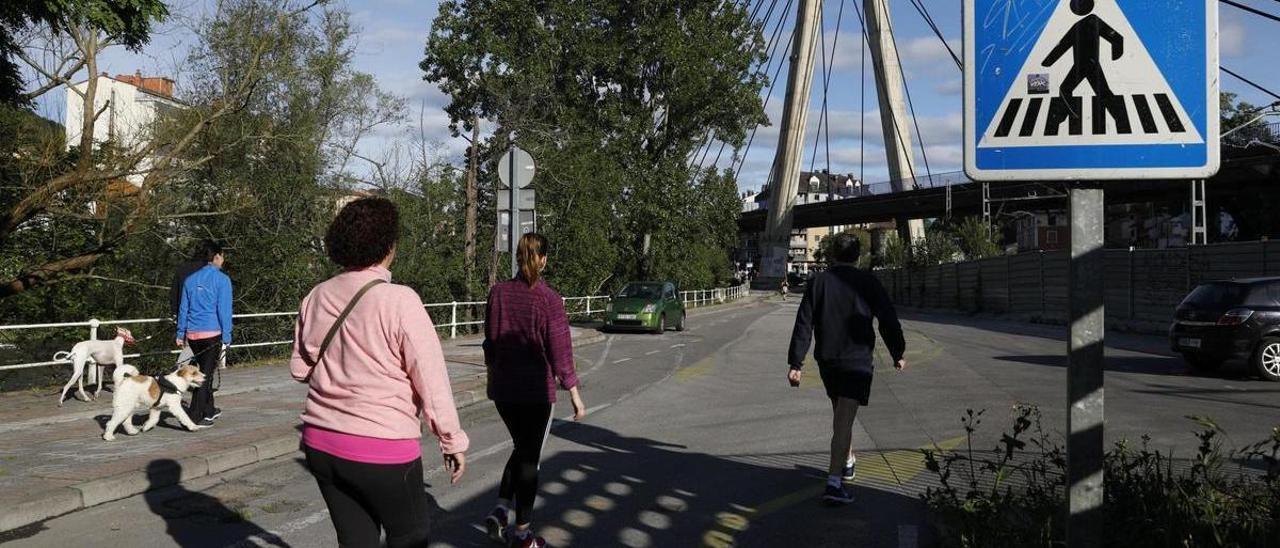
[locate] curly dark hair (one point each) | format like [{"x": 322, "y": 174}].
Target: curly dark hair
[{"x": 363, "y": 233}]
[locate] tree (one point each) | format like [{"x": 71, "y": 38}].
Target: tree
[
  {"x": 824, "y": 252},
  {"x": 611, "y": 98},
  {"x": 976, "y": 238},
  {"x": 85, "y": 190},
  {"x": 106, "y": 22}
]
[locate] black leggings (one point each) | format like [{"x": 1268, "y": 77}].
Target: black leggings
[
  {"x": 206, "y": 353},
  {"x": 528, "y": 424},
  {"x": 364, "y": 499}
]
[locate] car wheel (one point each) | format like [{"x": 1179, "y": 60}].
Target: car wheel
[
  {"x": 1267, "y": 359},
  {"x": 680, "y": 324},
  {"x": 662, "y": 325},
  {"x": 1201, "y": 363}
]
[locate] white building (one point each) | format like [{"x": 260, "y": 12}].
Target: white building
[{"x": 129, "y": 106}]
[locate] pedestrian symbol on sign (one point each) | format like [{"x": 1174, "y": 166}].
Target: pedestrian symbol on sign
[{"x": 1086, "y": 88}]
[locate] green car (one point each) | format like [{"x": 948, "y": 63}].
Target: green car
[{"x": 649, "y": 306}]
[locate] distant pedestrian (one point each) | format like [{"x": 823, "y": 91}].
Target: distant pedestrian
[
  {"x": 782, "y": 289},
  {"x": 528, "y": 351},
  {"x": 376, "y": 372},
  {"x": 838, "y": 307},
  {"x": 204, "y": 324}
]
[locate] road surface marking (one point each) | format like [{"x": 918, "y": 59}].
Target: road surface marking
[
  {"x": 652, "y": 352},
  {"x": 700, "y": 369},
  {"x": 622, "y": 360},
  {"x": 681, "y": 345},
  {"x": 274, "y": 537},
  {"x": 896, "y": 467}
]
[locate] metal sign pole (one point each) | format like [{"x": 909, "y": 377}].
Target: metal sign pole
[
  {"x": 513, "y": 227},
  {"x": 1085, "y": 367}
]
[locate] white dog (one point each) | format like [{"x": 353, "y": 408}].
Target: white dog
[
  {"x": 101, "y": 353},
  {"x": 156, "y": 394}
]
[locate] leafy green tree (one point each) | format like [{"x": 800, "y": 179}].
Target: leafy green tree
[
  {"x": 976, "y": 238},
  {"x": 611, "y": 98},
  {"x": 865, "y": 260},
  {"x": 124, "y": 22},
  {"x": 85, "y": 190}
]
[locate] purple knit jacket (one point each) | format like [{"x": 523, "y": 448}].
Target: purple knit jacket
[{"x": 527, "y": 346}]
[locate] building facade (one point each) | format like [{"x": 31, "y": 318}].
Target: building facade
[
  {"x": 814, "y": 187},
  {"x": 129, "y": 106}
]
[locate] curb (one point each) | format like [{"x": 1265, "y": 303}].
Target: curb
[{"x": 64, "y": 500}]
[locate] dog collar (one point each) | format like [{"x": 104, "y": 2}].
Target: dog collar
[{"x": 166, "y": 386}]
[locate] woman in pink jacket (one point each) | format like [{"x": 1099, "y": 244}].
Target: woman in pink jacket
[{"x": 370, "y": 354}]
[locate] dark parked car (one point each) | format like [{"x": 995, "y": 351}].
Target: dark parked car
[{"x": 1236, "y": 320}]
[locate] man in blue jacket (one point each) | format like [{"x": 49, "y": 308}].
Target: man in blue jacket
[
  {"x": 839, "y": 306},
  {"x": 204, "y": 325}
]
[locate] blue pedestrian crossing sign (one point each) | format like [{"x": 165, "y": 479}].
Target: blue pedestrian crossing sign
[{"x": 1090, "y": 89}]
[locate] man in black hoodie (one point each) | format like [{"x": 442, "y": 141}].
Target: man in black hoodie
[{"x": 838, "y": 307}]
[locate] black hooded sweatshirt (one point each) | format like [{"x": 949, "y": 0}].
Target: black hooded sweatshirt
[{"x": 838, "y": 306}]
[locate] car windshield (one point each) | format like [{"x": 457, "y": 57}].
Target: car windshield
[
  {"x": 1217, "y": 295},
  {"x": 641, "y": 291}
]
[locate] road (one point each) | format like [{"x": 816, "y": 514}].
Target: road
[{"x": 694, "y": 438}]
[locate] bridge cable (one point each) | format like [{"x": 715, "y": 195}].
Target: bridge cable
[
  {"x": 826, "y": 85},
  {"x": 928, "y": 19},
  {"x": 1248, "y": 81},
  {"x": 822, "y": 39},
  {"x": 705, "y": 145},
  {"x": 824, "y": 122},
  {"x": 866, "y": 38},
  {"x": 915, "y": 120},
  {"x": 862, "y": 104},
  {"x": 1252, "y": 10},
  {"x": 742, "y": 160},
  {"x": 707, "y": 139}
]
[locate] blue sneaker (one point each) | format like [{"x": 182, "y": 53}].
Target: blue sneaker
[
  {"x": 837, "y": 495},
  {"x": 850, "y": 471}
]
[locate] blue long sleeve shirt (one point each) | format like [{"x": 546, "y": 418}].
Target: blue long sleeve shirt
[{"x": 206, "y": 303}]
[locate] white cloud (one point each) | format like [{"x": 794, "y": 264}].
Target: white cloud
[
  {"x": 1232, "y": 37},
  {"x": 927, "y": 54},
  {"x": 951, "y": 87}
]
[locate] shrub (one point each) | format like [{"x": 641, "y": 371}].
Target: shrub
[{"x": 1014, "y": 494}]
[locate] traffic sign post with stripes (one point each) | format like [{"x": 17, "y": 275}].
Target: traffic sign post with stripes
[
  {"x": 1091, "y": 89},
  {"x": 1087, "y": 91}
]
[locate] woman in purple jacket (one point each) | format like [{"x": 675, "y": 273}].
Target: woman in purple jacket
[{"x": 527, "y": 351}]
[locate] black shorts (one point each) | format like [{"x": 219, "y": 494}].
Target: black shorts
[{"x": 847, "y": 383}]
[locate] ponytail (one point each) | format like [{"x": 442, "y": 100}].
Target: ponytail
[{"x": 532, "y": 246}]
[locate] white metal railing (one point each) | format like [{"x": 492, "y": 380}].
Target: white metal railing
[{"x": 574, "y": 306}]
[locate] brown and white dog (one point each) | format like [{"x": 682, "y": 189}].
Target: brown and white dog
[
  {"x": 134, "y": 390},
  {"x": 101, "y": 353}
]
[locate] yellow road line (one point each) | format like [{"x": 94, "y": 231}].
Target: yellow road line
[{"x": 897, "y": 467}]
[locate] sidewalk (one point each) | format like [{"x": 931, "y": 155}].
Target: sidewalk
[{"x": 53, "y": 460}]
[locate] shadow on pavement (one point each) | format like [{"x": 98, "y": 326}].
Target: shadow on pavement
[
  {"x": 197, "y": 520},
  {"x": 613, "y": 490},
  {"x": 1212, "y": 395},
  {"x": 1147, "y": 365}
]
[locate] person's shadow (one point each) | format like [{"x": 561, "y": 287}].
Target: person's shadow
[{"x": 195, "y": 519}]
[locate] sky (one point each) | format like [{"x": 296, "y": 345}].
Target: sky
[{"x": 393, "y": 34}]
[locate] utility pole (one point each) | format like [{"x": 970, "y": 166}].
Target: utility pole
[
  {"x": 786, "y": 167},
  {"x": 893, "y": 107},
  {"x": 469, "y": 235}
]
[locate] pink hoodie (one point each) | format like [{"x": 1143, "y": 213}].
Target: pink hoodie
[{"x": 383, "y": 370}]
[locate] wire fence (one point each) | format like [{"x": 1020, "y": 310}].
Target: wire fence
[{"x": 268, "y": 331}]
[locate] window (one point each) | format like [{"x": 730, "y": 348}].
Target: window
[{"x": 1051, "y": 237}]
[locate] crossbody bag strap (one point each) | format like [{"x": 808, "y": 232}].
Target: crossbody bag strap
[{"x": 337, "y": 324}]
